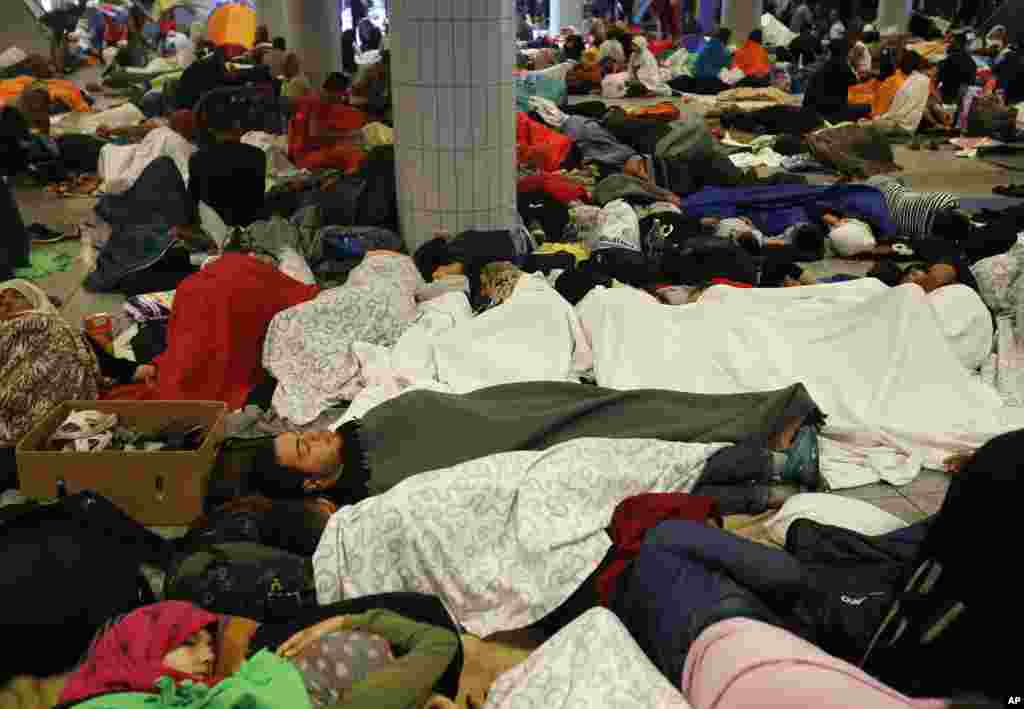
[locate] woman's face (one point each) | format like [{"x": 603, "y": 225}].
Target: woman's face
[
  {"x": 314, "y": 453},
  {"x": 195, "y": 657},
  {"x": 13, "y": 304}
]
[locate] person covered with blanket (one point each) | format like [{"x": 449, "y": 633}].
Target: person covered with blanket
[
  {"x": 393, "y": 650},
  {"x": 774, "y": 432},
  {"x": 45, "y": 361}
]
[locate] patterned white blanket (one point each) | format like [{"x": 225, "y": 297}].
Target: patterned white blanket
[
  {"x": 502, "y": 540},
  {"x": 592, "y": 662}
]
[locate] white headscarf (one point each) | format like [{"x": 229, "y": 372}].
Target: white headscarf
[
  {"x": 33, "y": 294},
  {"x": 852, "y": 237}
]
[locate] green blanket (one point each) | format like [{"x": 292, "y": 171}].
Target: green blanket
[{"x": 425, "y": 430}]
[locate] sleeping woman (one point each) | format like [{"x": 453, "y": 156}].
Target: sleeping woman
[{"x": 395, "y": 650}]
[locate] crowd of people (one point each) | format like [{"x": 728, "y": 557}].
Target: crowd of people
[{"x": 514, "y": 463}]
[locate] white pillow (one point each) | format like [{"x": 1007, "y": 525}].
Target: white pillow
[{"x": 825, "y": 508}]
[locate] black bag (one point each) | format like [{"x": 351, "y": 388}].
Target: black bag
[
  {"x": 938, "y": 637},
  {"x": 68, "y": 567},
  {"x": 243, "y": 579},
  {"x": 294, "y": 526},
  {"x": 340, "y": 205},
  {"x": 695, "y": 260}
]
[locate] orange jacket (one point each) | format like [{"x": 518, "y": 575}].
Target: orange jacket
[{"x": 752, "y": 59}]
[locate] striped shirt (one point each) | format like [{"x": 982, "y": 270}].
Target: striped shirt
[{"x": 913, "y": 213}]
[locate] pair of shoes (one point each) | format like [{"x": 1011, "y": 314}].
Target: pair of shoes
[{"x": 802, "y": 459}]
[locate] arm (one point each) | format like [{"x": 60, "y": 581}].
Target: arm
[{"x": 426, "y": 651}]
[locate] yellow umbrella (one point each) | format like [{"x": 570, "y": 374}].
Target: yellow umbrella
[{"x": 232, "y": 24}]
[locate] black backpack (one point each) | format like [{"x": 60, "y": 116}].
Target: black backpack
[
  {"x": 67, "y": 568},
  {"x": 243, "y": 579}
]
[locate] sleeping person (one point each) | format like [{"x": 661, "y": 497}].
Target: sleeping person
[
  {"x": 394, "y": 650},
  {"x": 776, "y": 430}
]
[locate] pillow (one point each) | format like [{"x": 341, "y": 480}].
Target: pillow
[
  {"x": 824, "y": 508},
  {"x": 331, "y": 666}
]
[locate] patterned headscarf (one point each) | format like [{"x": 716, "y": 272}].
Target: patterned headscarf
[
  {"x": 499, "y": 279},
  {"x": 129, "y": 656},
  {"x": 32, "y": 293}
]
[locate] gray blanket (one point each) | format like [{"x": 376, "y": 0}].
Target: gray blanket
[{"x": 425, "y": 430}]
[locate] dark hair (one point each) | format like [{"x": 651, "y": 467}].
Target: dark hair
[
  {"x": 336, "y": 82},
  {"x": 280, "y": 43},
  {"x": 840, "y": 49},
  {"x": 910, "y": 62},
  {"x": 573, "y": 48},
  {"x": 432, "y": 254},
  {"x": 757, "y": 36},
  {"x": 809, "y": 238},
  {"x": 952, "y": 225},
  {"x": 888, "y": 273},
  {"x": 262, "y": 34},
  {"x": 724, "y": 34},
  {"x": 269, "y": 476}
]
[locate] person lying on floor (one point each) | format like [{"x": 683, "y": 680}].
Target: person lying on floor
[
  {"x": 45, "y": 361},
  {"x": 359, "y": 459},
  {"x": 182, "y": 122},
  {"x": 805, "y": 237},
  {"x": 393, "y": 650}
]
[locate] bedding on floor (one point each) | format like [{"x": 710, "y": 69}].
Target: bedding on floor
[{"x": 873, "y": 358}]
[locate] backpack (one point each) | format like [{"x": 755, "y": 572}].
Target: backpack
[
  {"x": 243, "y": 579},
  {"x": 68, "y": 567}
]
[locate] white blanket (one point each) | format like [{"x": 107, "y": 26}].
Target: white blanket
[
  {"x": 502, "y": 540},
  {"x": 121, "y": 165},
  {"x": 535, "y": 335},
  {"x": 122, "y": 116},
  {"x": 592, "y": 662},
  {"x": 874, "y": 358}
]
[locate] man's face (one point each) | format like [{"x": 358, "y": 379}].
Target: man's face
[{"x": 315, "y": 453}]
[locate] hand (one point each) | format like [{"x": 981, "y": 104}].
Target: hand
[
  {"x": 145, "y": 373},
  {"x": 297, "y": 644}
]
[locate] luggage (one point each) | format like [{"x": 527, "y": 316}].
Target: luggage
[
  {"x": 243, "y": 579},
  {"x": 67, "y": 568},
  {"x": 941, "y": 635}
]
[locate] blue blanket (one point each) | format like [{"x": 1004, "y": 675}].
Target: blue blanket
[{"x": 772, "y": 208}]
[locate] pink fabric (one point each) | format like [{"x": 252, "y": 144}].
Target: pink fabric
[
  {"x": 129, "y": 657},
  {"x": 745, "y": 663}
]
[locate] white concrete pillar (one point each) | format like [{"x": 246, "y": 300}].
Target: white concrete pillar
[
  {"x": 455, "y": 118},
  {"x": 742, "y": 17},
  {"x": 893, "y": 13},
  {"x": 314, "y": 33},
  {"x": 272, "y": 14},
  {"x": 565, "y": 13}
]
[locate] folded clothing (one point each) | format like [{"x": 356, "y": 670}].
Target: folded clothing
[{"x": 150, "y": 306}]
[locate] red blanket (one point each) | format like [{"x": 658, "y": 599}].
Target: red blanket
[{"x": 215, "y": 334}]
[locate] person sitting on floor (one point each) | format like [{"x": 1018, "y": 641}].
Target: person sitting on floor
[
  {"x": 752, "y": 58},
  {"x": 910, "y": 101},
  {"x": 886, "y": 92},
  {"x": 274, "y": 58},
  {"x": 388, "y": 650},
  {"x": 828, "y": 90},
  {"x": 860, "y": 55},
  {"x": 225, "y": 173},
  {"x": 296, "y": 84},
  {"x": 712, "y": 59},
  {"x": 371, "y": 91},
  {"x": 957, "y": 70},
  {"x": 326, "y": 130},
  {"x": 805, "y": 47}
]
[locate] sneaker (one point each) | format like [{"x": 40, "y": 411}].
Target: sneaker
[{"x": 802, "y": 461}]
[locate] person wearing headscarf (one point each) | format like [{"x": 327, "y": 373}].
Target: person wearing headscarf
[
  {"x": 713, "y": 58},
  {"x": 45, "y": 361},
  {"x": 376, "y": 651},
  {"x": 643, "y": 68}
]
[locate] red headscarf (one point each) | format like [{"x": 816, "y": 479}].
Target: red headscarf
[{"x": 129, "y": 657}]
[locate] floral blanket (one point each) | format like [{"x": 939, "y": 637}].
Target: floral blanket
[
  {"x": 1001, "y": 285},
  {"x": 309, "y": 347},
  {"x": 617, "y": 672},
  {"x": 502, "y": 540}
]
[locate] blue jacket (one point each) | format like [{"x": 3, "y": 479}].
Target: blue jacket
[{"x": 712, "y": 59}]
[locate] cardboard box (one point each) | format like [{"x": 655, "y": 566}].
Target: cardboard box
[{"x": 154, "y": 488}]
